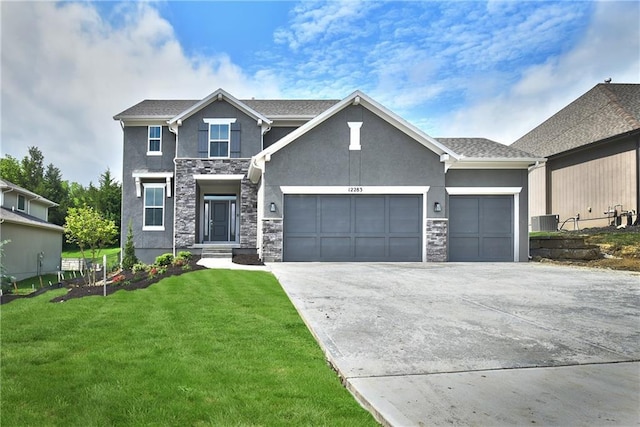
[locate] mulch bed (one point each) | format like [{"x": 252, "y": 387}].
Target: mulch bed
[{"x": 131, "y": 282}]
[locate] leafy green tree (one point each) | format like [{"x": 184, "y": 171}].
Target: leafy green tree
[
  {"x": 11, "y": 170},
  {"x": 89, "y": 230},
  {"x": 129, "y": 258}
]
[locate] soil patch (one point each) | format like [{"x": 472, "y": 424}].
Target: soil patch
[{"x": 247, "y": 259}]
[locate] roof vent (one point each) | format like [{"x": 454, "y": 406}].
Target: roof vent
[{"x": 607, "y": 80}]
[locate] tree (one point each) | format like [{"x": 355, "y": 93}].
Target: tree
[
  {"x": 129, "y": 258},
  {"x": 90, "y": 231},
  {"x": 33, "y": 170},
  {"x": 11, "y": 170},
  {"x": 54, "y": 189}
]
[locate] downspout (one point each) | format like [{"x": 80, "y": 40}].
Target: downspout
[{"x": 174, "y": 130}]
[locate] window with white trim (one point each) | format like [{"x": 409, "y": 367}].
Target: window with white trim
[
  {"x": 219, "y": 139},
  {"x": 153, "y": 207},
  {"x": 154, "y": 146},
  {"x": 22, "y": 203}
]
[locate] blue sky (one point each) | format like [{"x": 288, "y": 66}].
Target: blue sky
[{"x": 492, "y": 69}]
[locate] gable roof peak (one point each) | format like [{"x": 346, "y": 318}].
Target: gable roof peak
[{"x": 218, "y": 95}]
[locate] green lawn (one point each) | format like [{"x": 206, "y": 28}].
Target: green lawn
[
  {"x": 113, "y": 255},
  {"x": 211, "y": 347}
]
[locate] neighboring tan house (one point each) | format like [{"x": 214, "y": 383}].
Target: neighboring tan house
[
  {"x": 592, "y": 148},
  {"x": 35, "y": 245},
  {"x": 316, "y": 180}
]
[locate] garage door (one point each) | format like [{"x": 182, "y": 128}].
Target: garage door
[
  {"x": 352, "y": 228},
  {"x": 481, "y": 228}
]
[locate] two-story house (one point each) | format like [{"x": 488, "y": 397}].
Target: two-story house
[
  {"x": 316, "y": 180},
  {"x": 34, "y": 245}
]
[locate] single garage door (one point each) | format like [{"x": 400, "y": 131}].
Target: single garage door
[
  {"x": 481, "y": 228},
  {"x": 352, "y": 228}
]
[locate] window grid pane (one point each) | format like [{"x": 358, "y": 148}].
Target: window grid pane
[
  {"x": 155, "y": 133},
  {"x": 153, "y": 206},
  {"x": 218, "y": 140}
]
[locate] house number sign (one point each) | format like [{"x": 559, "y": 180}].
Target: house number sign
[{"x": 355, "y": 189}]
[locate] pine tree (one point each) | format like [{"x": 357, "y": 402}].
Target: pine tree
[{"x": 129, "y": 258}]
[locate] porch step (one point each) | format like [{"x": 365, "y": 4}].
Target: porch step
[{"x": 213, "y": 252}]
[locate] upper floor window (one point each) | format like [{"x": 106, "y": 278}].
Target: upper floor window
[
  {"x": 154, "y": 147},
  {"x": 22, "y": 203},
  {"x": 153, "y": 207},
  {"x": 219, "y": 137}
]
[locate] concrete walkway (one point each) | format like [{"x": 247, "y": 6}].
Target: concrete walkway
[{"x": 477, "y": 344}]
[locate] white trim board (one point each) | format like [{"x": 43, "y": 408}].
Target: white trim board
[
  {"x": 354, "y": 189},
  {"x": 218, "y": 177},
  {"x": 497, "y": 191},
  {"x": 482, "y": 191}
]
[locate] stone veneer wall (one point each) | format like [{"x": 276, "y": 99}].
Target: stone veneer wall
[
  {"x": 186, "y": 203},
  {"x": 272, "y": 240},
  {"x": 437, "y": 230}
]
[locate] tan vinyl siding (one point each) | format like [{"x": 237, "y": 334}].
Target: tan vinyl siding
[
  {"x": 537, "y": 194},
  {"x": 596, "y": 184}
]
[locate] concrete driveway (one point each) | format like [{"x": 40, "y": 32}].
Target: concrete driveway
[{"x": 477, "y": 344}]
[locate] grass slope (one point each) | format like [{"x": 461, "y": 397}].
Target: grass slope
[{"x": 213, "y": 347}]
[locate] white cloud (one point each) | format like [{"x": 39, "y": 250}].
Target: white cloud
[
  {"x": 610, "y": 48},
  {"x": 66, "y": 71}
]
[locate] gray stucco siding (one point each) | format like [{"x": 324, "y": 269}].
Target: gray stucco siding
[
  {"x": 495, "y": 178},
  {"x": 135, "y": 151},
  {"x": 250, "y": 132},
  {"x": 321, "y": 157},
  {"x": 133, "y": 210},
  {"x": 275, "y": 134}
]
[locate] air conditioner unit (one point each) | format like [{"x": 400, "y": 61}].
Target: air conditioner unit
[{"x": 544, "y": 223}]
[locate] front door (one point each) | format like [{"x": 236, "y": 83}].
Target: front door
[{"x": 220, "y": 218}]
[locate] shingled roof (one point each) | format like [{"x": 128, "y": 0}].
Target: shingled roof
[
  {"x": 607, "y": 110},
  {"x": 271, "y": 108},
  {"x": 481, "y": 148}
]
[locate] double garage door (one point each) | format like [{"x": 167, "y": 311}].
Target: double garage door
[
  {"x": 481, "y": 228},
  {"x": 352, "y": 228}
]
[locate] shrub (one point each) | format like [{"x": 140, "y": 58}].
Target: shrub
[
  {"x": 153, "y": 271},
  {"x": 139, "y": 267},
  {"x": 185, "y": 255},
  {"x": 164, "y": 259},
  {"x": 129, "y": 258}
]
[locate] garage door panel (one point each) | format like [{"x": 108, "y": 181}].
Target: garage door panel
[
  {"x": 402, "y": 214},
  {"x": 464, "y": 248},
  {"x": 496, "y": 214},
  {"x": 300, "y": 248},
  {"x": 497, "y": 248},
  {"x": 335, "y": 248},
  {"x": 464, "y": 215},
  {"x": 301, "y": 210},
  {"x": 370, "y": 247},
  {"x": 368, "y": 214},
  {"x": 353, "y": 228},
  {"x": 335, "y": 214},
  {"x": 405, "y": 248}
]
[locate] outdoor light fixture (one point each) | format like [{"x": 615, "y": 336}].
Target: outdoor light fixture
[
  {"x": 437, "y": 207},
  {"x": 272, "y": 207}
]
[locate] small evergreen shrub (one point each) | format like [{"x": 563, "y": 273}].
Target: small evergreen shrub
[
  {"x": 129, "y": 258},
  {"x": 185, "y": 255},
  {"x": 164, "y": 259}
]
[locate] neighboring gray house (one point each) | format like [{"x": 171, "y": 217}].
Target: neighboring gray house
[
  {"x": 316, "y": 180},
  {"x": 592, "y": 148},
  {"x": 35, "y": 245}
]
